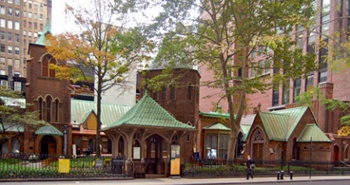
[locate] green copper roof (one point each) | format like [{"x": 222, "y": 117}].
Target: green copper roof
[
  {"x": 279, "y": 125},
  {"x": 216, "y": 126},
  {"x": 81, "y": 109},
  {"x": 312, "y": 131},
  {"x": 41, "y": 40},
  {"x": 148, "y": 113},
  {"x": 245, "y": 130},
  {"x": 215, "y": 114},
  {"x": 48, "y": 130}
]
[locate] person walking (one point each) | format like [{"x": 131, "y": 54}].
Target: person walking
[{"x": 250, "y": 164}]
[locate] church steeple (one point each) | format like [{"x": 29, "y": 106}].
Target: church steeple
[{"x": 47, "y": 30}]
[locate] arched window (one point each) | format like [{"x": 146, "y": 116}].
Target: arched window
[
  {"x": 4, "y": 148},
  {"x": 45, "y": 66},
  {"x": 48, "y": 108},
  {"x": 40, "y": 108},
  {"x": 15, "y": 146},
  {"x": 172, "y": 92},
  {"x": 55, "y": 110}
]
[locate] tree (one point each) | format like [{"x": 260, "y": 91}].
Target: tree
[
  {"x": 224, "y": 36},
  {"x": 103, "y": 47},
  {"x": 14, "y": 118}
]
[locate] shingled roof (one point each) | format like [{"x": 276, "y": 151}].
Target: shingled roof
[
  {"x": 81, "y": 109},
  {"x": 279, "y": 125},
  {"x": 148, "y": 113},
  {"x": 314, "y": 133}
]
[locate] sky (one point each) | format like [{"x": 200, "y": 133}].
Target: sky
[{"x": 60, "y": 23}]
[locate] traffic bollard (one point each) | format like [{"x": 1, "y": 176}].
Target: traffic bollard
[
  {"x": 291, "y": 175},
  {"x": 282, "y": 174},
  {"x": 278, "y": 175}
]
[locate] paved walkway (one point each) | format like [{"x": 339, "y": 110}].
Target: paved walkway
[{"x": 182, "y": 181}]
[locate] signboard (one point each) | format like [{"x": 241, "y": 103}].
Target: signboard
[
  {"x": 175, "y": 160},
  {"x": 175, "y": 166},
  {"x": 137, "y": 153},
  {"x": 99, "y": 163},
  {"x": 63, "y": 165}
]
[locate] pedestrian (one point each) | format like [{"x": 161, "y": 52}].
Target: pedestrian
[{"x": 250, "y": 165}]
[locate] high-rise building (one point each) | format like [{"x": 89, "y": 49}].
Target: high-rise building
[{"x": 21, "y": 23}]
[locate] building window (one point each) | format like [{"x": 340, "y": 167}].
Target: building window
[
  {"x": 2, "y": 23},
  {"x": 2, "y": 9},
  {"x": 309, "y": 83},
  {"x": 172, "y": 92},
  {"x": 189, "y": 92},
  {"x": 17, "y": 2},
  {"x": 211, "y": 146},
  {"x": 9, "y": 11},
  {"x": 9, "y": 24},
  {"x": 15, "y": 146},
  {"x": 17, "y": 38},
  {"x": 9, "y": 36},
  {"x": 41, "y": 17},
  {"x": 275, "y": 96},
  {"x": 2, "y": 35},
  {"x": 267, "y": 66},
  {"x": 323, "y": 54},
  {"x": 17, "y": 86},
  {"x": 29, "y": 14},
  {"x": 2, "y": 48},
  {"x": 297, "y": 87},
  {"x": 164, "y": 93},
  {"x": 286, "y": 93},
  {"x": 24, "y": 14},
  {"x": 155, "y": 96},
  {"x": 40, "y": 108},
  {"x": 48, "y": 108},
  {"x": 17, "y": 50},
  {"x": 9, "y": 49},
  {"x": 29, "y": 24},
  {"x": 45, "y": 66}
]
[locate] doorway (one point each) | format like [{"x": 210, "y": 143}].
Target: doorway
[
  {"x": 48, "y": 147},
  {"x": 336, "y": 155},
  {"x": 155, "y": 163}
]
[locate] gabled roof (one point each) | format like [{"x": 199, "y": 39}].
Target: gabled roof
[
  {"x": 279, "y": 125},
  {"x": 48, "y": 130},
  {"x": 313, "y": 133},
  {"x": 217, "y": 126},
  {"x": 81, "y": 109},
  {"x": 148, "y": 113}
]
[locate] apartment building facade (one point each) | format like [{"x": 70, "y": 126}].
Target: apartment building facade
[{"x": 21, "y": 23}]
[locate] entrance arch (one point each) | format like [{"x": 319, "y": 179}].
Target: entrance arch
[
  {"x": 48, "y": 147},
  {"x": 154, "y": 158},
  {"x": 258, "y": 145}
]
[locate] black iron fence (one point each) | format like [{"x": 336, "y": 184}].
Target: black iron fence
[
  {"x": 34, "y": 167},
  {"x": 280, "y": 168},
  {"x": 27, "y": 167}
]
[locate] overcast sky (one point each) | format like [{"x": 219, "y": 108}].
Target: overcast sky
[{"x": 60, "y": 23}]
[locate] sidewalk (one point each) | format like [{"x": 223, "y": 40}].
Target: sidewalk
[{"x": 182, "y": 181}]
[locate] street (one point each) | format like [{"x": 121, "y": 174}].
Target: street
[{"x": 317, "y": 180}]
